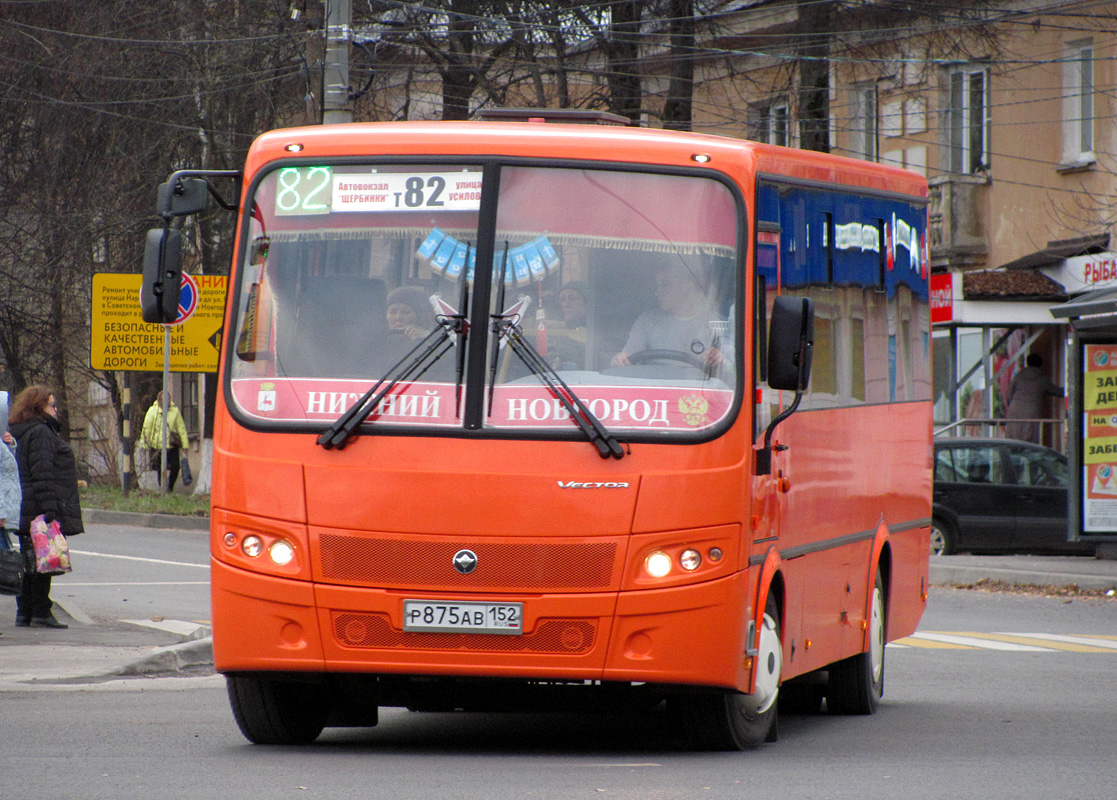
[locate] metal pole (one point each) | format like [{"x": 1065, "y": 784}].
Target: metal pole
[
  {"x": 335, "y": 74},
  {"x": 127, "y": 445}
]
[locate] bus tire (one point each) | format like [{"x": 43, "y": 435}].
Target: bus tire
[
  {"x": 737, "y": 721},
  {"x": 857, "y": 683},
  {"x": 277, "y": 712}
]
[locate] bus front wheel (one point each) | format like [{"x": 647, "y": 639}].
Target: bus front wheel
[
  {"x": 277, "y": 712},
  {"x": 736, "y": 721},
  {"x": 857, "y": 683}
]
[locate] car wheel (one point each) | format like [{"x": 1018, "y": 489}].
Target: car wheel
[{"x": 942, "y": 538}]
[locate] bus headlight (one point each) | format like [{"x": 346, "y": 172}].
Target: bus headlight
[
  {"x": 281, "y": 552},
  {"x": 658, "y": 564},
  {"x": 252, "y": 545},
  {"x": 690, "y": 559}
]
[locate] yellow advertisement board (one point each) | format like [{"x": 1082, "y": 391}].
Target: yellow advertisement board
[{"x": 121, "y": 340}]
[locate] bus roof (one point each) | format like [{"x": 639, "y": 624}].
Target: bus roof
[{"x": 607, "y": 143}]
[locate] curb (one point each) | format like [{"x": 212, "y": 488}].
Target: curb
[
  {"x": 100, "y": 516},
  {"x": 958, "y": 574},
  {"x": 173, "y": 658}
]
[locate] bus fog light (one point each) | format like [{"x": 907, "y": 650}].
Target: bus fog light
[
  {"x": 715, "y": 554},
  {"x": 281, "y": 552},
  {"x": 230, "y": 539},
  {"x": 252, "y": 546},
  {"x": 690, "y": 560},
  {"x": 658, "y": 564}
]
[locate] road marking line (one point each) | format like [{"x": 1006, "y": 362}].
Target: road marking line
[
  {"x": 1028, "y": 639},
  {"x": 1096, "y": 643},
  {"x": 138, "y": 558},
  {"x": 916, "y": 641},
  {"x": 978, "y": 640}
]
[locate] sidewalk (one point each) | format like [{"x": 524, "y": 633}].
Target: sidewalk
[
  {"x": 94, "y": 652},
  {"x": 1083, "y": 571}
]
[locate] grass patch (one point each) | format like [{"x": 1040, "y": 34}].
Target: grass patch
[{"x": 143, "y": 501}]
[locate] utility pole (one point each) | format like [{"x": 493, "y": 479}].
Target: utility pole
[{"x": 335, "y": 72}]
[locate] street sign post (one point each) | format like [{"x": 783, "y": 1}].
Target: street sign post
[{"x": 121, "y": 340}]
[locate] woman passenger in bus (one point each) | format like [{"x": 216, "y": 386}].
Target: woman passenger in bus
[
  {"x": 566, "y": 340},
  {"x": 410, "y": 317},
  {"x": 409, "y": 313}
]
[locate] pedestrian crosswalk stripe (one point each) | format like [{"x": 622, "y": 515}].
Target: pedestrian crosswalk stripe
[
  {"x": 1092, "y": 642},
  {"x": 976, "y": 640},
  {"x": 1018, "y": 642}
]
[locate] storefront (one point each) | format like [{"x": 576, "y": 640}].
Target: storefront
[{"x": 985, "y": 325}]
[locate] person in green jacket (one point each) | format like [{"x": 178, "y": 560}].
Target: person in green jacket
[{"x": 152, "y": 436}]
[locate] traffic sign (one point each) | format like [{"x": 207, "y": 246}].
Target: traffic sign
[
  {"x": 121, "y": 340},
  {"x": 187, "y": 299}
]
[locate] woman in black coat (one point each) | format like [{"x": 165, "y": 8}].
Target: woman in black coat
[{"x": 49, "y": 478}]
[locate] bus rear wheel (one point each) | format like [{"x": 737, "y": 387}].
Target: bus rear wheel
[
  {"x": 736, "y": 721},
  {"x": 277, "y": 712},
  {"x": 857, "y": 683}
]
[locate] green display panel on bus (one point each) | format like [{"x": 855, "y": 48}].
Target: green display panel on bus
[{"x": 303, "y": 190}]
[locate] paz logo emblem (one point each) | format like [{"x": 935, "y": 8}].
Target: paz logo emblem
[{"x": 465, "y": 561}]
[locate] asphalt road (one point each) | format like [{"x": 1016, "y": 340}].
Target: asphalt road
[{"x": 957, "y": 721}]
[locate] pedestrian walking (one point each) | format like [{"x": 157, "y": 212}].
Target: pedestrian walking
[
  {"x": 177, "y": 437},
  {"x": 49, "y": 483}
]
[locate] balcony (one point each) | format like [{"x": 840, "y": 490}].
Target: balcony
[{"x": 958, "y": 215}]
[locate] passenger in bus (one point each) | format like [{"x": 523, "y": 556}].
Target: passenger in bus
[
  {"x": 566, "y": 340},
  {"x": 680, "y": 324},
  {"x": 409, "y": 313},
  {"x": 410, "y": 317},
  {"x": 573, "y": 298}
]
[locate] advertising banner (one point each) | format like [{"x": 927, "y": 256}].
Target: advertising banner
[{"x": 1099, "y": 438}]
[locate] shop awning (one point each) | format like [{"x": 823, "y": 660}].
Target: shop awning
[{"x": 1097, "y": 309}]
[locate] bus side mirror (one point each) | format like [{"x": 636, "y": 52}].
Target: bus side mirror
[
  {"x": 189, "y": 196},
  {"x": 162, "y": 276},
  {"x": 790, "y": 343}
]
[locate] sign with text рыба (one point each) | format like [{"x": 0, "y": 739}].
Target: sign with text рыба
[{"x": 121, "y": 340}]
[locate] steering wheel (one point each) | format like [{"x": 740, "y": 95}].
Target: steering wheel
[{"x": 690, "y": 359}]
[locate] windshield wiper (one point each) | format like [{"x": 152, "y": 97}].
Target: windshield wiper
[
  {"x": 453, "y": 329},
  {"x": 506, "y": 327}
]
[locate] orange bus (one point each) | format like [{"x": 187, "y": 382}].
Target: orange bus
[{"x": 505, "y": 421}]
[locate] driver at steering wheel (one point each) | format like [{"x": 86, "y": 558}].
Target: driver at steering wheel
[{"x": 680, "y": 324}]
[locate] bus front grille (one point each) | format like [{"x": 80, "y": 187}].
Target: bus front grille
[
  {"x": 427, "y": 564},
  {"x": 567, "y": 636}
]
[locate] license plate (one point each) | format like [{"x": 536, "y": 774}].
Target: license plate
[{"x": 463, "y": 617}]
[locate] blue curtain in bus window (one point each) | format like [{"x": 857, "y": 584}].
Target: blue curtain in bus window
[
  {"x": 793, "y": 240},
  {"x": 857, "y": 246}
]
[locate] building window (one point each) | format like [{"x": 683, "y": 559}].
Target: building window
[
  {"x": 1078, "y": 104},
  {"x": 770, "y": 123},
  {"x": 863, "y": 121},
  {"x": 967, "y": 120}
]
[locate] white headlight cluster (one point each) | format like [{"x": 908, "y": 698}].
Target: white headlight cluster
[
  {"x": 281, "y": 552},
  {"x": 659, "y": 564}
]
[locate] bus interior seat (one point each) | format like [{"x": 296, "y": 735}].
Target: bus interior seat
[{"x": 338, "y": 328}]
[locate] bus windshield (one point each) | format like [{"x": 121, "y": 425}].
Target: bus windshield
[{"x": 623, "y": 282}]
